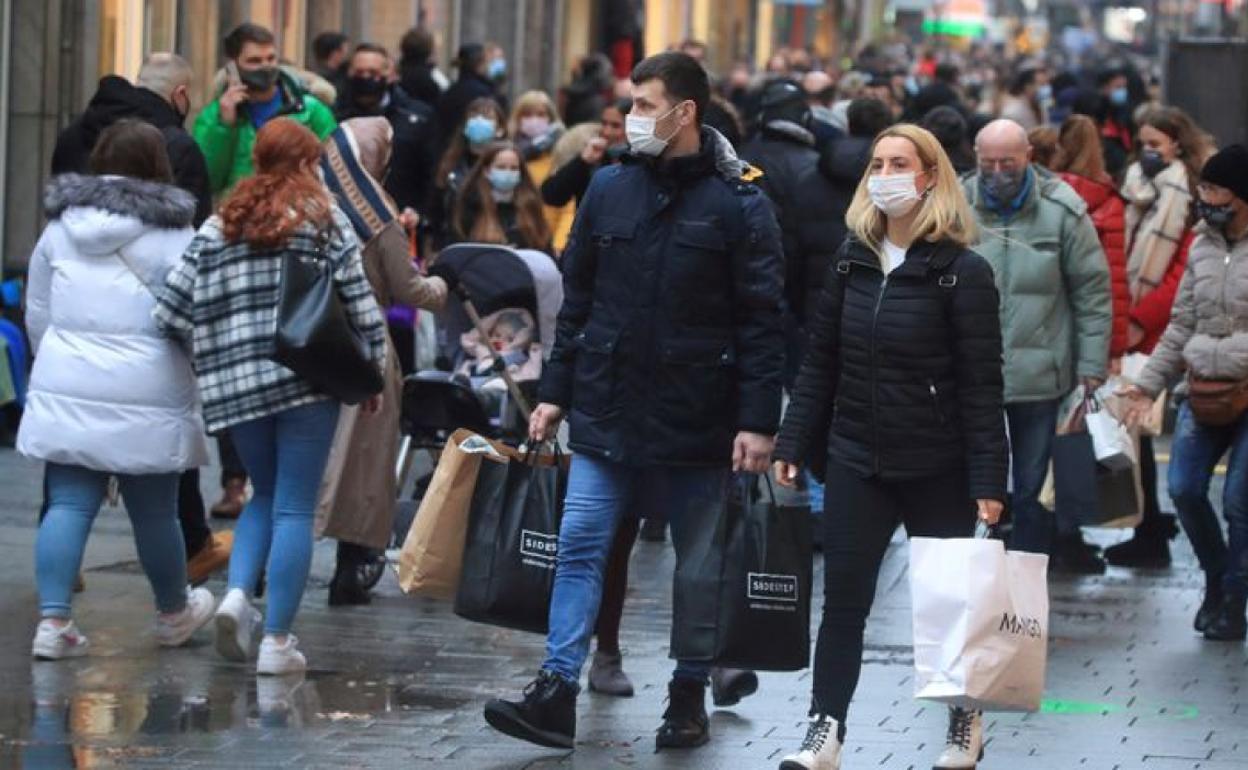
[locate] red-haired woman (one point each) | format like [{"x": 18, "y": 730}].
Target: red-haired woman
[{"x": 222, "y": 299}]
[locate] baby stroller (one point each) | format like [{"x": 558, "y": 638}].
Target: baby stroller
[{"x": 436, "y": 403}]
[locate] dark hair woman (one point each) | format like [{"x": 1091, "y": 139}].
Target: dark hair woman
[
  {"x": 500, "y": 204},
  {"x": 222, "y": 299},
  {"x": 484, "y": 124},
  {"x": 109, "y": 394}
]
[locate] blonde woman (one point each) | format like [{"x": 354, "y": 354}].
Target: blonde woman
[
  {"x": 535, "y": 128},
  {"x": 901, "y": 393}
]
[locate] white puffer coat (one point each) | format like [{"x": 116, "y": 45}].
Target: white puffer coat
[{"x": 108, "y": 391}]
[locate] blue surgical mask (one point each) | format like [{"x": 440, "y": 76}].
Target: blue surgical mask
[
  {"x": 496, "y": 69},
  {"x": 480, "y": 129},
  {"x": 1119, "y": 96},
  {"x": 503, "y": 180},
  {"x": 1044, "y": 93}
]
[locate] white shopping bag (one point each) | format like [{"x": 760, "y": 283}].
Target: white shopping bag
[{"x": 981, "y": 623}]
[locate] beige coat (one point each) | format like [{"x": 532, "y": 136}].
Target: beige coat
[
  {"x": 358, "y": 492},
  {"x": 1208, "y": 331}
]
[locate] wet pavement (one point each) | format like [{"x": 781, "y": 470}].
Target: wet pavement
[{"x": 401, "y": 683}]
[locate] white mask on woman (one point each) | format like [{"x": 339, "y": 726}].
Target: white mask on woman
[{"x": 893, "y": 194}]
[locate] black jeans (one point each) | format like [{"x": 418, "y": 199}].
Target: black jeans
[{"x": 859, "y": 517}]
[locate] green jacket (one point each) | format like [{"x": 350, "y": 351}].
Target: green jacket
[
  {"x": 1053, "y": 279},
  {"x": 228, "y": 148}
]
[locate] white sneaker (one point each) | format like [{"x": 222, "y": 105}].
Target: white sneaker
[
  {"x": 277, "y": 659},
  {"x": 236, "y": 622},
  {"x": 965, "y": 745},
  {"x": 53, "y": 642},
  {"x": 176, "y": 630},
  {"x": 821, "y": 750}
]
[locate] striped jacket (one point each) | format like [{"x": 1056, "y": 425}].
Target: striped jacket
[{"x": 222, "y": 299}]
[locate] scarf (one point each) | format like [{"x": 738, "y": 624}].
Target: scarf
[
  {"x": 351, "y": 151},
  {"x": 1157, "y": 214}
]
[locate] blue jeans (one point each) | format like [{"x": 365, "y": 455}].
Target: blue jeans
[
  {"x": 1194, "y": 455},
  {"x": 74, "y": 498},
  {"x": 599, "y": 493},
  {"x": 1032, "y": 424},
  {"x": 285, "y": 456}
]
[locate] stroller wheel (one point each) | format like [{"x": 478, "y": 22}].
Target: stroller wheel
[{"x": 371, "y": 570}]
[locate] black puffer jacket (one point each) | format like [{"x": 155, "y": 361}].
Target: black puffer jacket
[
  {"x": 903, "y": 375},
  {"x": 670, "y": 338}
]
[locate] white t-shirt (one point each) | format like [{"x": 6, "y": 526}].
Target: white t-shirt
[{"x": 894, "y": 255}]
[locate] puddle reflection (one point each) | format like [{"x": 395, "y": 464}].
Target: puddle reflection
[{"x": 96, "y": 716}]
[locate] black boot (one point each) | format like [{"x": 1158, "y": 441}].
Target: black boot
[
  {"x": 1229, "y": 625},
  {"x": 1149, "y": 548},
  {"x": 685, "y": 724},
  {"x": 1073, "y": 556},
  {"x": 546, "y": 716},
  {"x": 730, "y": 685},
  {"x": 345, "y": 588},
  {"x": 1212, "y": 603}
]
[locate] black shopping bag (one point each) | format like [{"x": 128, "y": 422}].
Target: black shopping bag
[
  {"x": 512, "y": 543},
  {"x": 764, "y": 603},
  {"x": 1098, "y": 495}
]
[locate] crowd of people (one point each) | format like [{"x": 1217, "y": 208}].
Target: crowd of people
[{"x": 928, "y": 252}]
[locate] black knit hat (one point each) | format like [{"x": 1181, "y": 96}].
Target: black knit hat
[{"x": 1229, "y": 168}]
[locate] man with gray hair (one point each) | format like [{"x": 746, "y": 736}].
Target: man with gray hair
[
  {"x": 160, "y": 96},
  {"x": 1055, "y": 316}
]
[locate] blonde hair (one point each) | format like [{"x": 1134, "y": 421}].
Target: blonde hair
[
  {"x": 943, "y": 211},
  {"x": 530, "y": 102}
]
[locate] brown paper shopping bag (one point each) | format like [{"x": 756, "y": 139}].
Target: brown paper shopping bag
[{"x": 433, "y": 552}]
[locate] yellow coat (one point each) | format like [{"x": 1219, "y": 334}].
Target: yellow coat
[{"x": 558, "y": 218}]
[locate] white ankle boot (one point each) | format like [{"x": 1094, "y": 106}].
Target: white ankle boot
[
  {"x": 821, "y": 750},
  {"x": 964, "y": 746}
]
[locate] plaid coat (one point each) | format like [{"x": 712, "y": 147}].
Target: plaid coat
[{"x": 221, "y": 299}]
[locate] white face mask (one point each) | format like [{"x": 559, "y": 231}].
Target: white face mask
[
  {"x": 641, "y": 136},
  {"x": 893, "y": 194}
]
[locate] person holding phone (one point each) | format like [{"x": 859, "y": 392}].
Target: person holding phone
[{"x": 256, "y": 91}]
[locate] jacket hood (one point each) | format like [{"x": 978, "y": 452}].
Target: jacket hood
[
  {"x": 845, "y": 160},
  {"x": 116, "y": 98},
  {"x": 103, "y": 213}
]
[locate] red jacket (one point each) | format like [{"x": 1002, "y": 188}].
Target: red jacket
[
  {"x": 1152, "y": 312},
  {"x": 1108, "y": 212}
]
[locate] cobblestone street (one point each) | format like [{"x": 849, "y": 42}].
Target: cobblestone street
[{"x": 401, "y": 683}]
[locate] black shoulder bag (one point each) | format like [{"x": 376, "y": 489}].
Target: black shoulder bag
[{"x": 315, "y": 338}]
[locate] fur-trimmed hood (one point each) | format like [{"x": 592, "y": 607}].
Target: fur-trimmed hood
[{"x": 103, "y": 213}]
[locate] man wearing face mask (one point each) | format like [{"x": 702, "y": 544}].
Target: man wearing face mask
[
  {"x": 160, "y": 96},
  {"x": 668, "y": 361},
  {"x": 367, "y": 92},
  {"x": 256, "y": 91},
  {"x": 1055, "y": 309}
]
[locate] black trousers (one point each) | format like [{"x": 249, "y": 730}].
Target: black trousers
[
  {"x": 231, "y": 464},
  {"x": 859, "y": 517}
]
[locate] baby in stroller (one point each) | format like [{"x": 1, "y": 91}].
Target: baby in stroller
[{"x": 512, "y": 337}]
